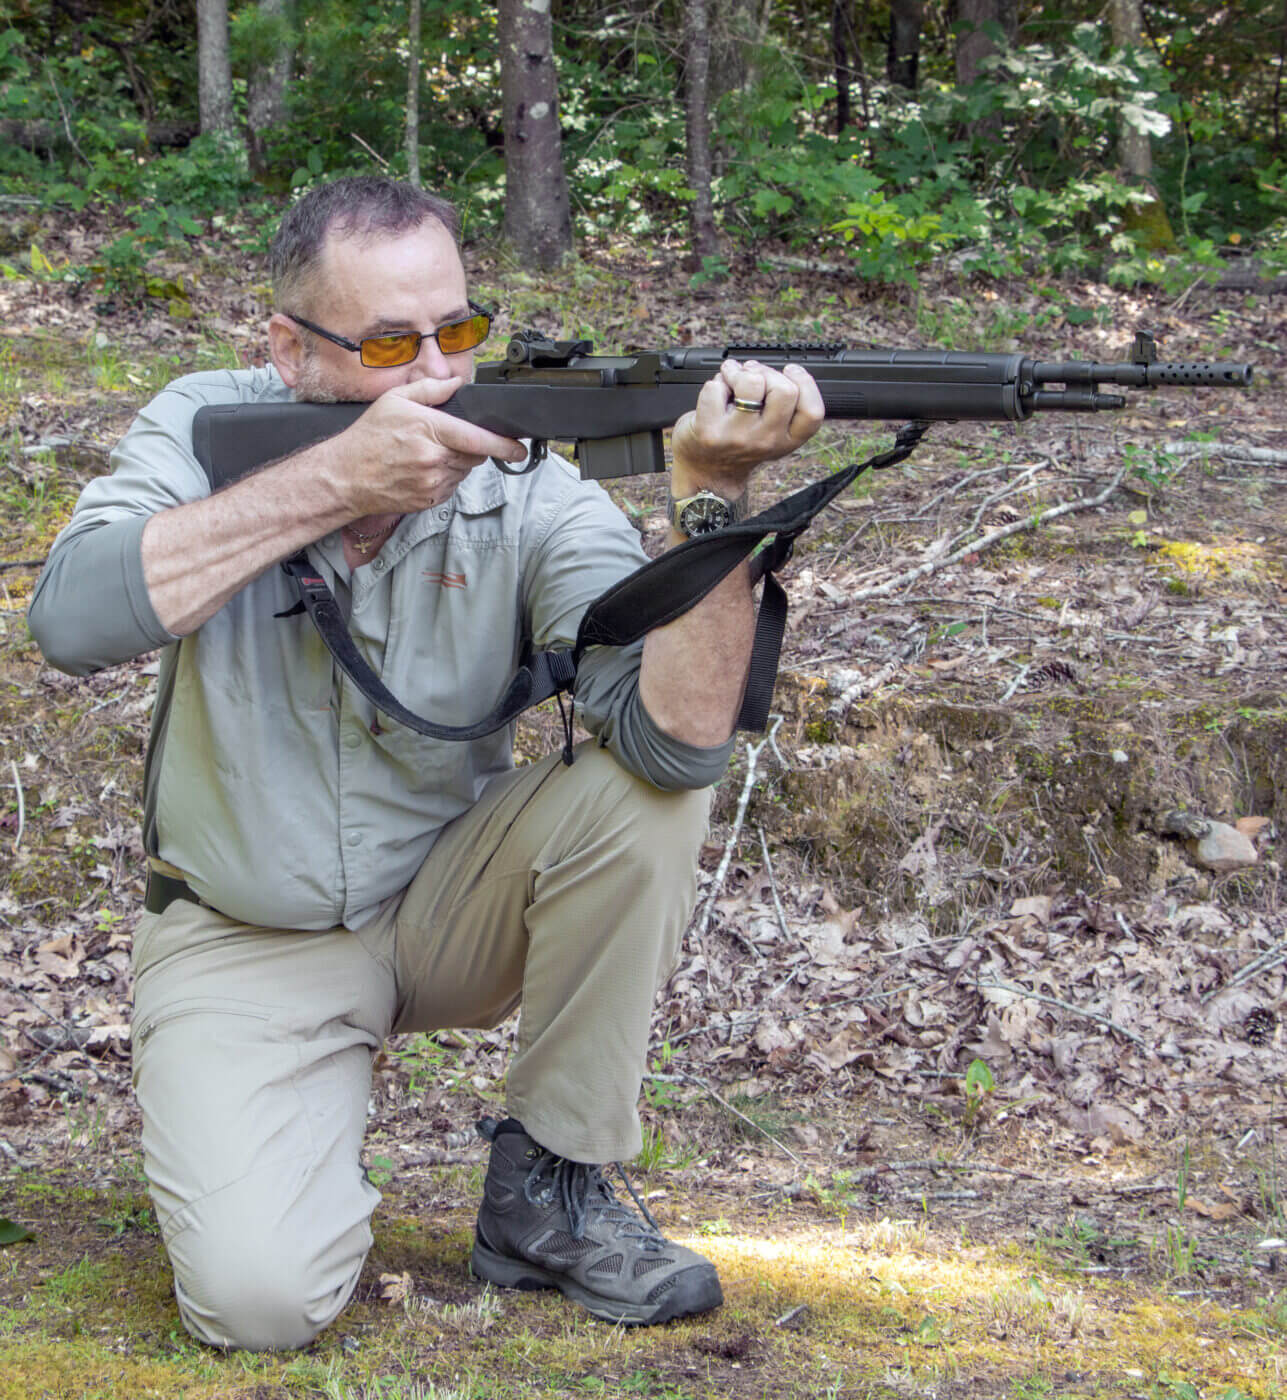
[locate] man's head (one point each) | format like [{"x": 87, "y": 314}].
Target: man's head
[{"x": 365, "y": 256}]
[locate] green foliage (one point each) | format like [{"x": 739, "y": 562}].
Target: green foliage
[
  {"x": 1012, "y": 170},
  {"x": 11, "y": 1233},
  {"x": 1017, "y": 171}
]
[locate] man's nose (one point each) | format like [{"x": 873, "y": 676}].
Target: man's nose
[{"x": 430, "y": 362}]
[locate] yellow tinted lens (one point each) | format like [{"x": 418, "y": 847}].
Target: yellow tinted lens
[
  {"x": 381, "y": 351},
  {"x": 463, "y": 335}
]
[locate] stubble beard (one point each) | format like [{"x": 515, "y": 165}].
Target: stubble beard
[{"x": 310, "y": 382}]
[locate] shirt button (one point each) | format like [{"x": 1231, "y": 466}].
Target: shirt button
[
  {"x": 354, "y": 838},
  {"x": 351, "y": 741},
  {"x": 379, "y": 566}
]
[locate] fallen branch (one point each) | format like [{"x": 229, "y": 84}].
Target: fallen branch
[
  {"x": 441, "y": 1157},
  {"x": 773, "y": 887},
  {"x": 1231, "y": 451},
  {"x": 22, "y": 806},
  {"x": 750, "y": 1122},
  {"x": 993, "y": 537},
  {"x": 937, "y": 1164},
  {"x": 21, "y": 564},
  {"x": 1028, "y": 995},
  {"x": 1016, "y": 682},
  {"x": 20, "y": 1162},
  {"x": 1270, "y": 958},
  {"x": 753, "y": 752},
  {"x": 863, "y": 686}
]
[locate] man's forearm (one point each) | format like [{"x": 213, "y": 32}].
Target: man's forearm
[
  {"x": 197, "y": 556},
  {"x": 693, "y": 670}
]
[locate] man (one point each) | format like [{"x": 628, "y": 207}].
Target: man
[{"x": 320, "y": 876}]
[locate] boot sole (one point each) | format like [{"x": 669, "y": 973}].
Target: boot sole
[{"x": 695, "y": 1290}]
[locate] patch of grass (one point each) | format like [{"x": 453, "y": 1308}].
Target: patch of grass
[
  {"x": 80, "y": 1368},
  {"x": 882, "y": 1299},
  {"x": 109, "y": 365},
  {"x": 1270, "y": 1319},
  {"x": 763, "y": 1116}
]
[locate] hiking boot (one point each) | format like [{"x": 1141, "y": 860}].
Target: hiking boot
[{"x": 546, "y": 1222}]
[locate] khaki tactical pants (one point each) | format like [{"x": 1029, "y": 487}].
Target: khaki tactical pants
[{"x": 564, "y": 891}]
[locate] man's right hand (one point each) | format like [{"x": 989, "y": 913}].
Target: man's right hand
[{"x": 403, "y": 455}]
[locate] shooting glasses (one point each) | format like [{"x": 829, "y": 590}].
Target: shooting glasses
[{"x": 401, "y": 347}]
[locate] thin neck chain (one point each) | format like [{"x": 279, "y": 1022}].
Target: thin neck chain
[{"x": 365, "y": 542}]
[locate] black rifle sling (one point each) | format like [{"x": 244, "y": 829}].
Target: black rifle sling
[
  {"x": 653, "y": 595},
  {"x": 544, "y": 673}
]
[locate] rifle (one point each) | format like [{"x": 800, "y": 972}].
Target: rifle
[{"x": 554, "y": 390}]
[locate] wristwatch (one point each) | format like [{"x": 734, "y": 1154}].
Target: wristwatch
[{"x": 706, "y": 511}]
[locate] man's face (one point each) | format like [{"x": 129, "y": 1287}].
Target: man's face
[{"x": 413, "y": 281}]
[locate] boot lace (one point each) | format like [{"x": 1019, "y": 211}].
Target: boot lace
[{"x": 585, "y": 1193}]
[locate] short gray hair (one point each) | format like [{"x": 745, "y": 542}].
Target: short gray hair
[{"x": 361, "y": 206}]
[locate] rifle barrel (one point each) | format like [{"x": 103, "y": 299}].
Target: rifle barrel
[{"x": 1211, "y": 373}]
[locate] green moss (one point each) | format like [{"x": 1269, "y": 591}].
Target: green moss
[
  {"x": 81, "y": 1368},
  {"x": 1151, "y": 227}
]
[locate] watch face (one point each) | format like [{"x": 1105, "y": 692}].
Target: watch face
[{"x": 704, "y": 513}]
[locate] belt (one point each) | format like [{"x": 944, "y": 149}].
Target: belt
[{"x": 163, "y": 890}]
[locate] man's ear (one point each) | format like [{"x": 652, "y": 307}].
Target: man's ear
[{"x": 286, "y": 346}]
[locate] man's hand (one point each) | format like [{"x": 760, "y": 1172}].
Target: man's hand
[
  {"x": 718, "y": 446},
  {"x": 402, "y": 455}
]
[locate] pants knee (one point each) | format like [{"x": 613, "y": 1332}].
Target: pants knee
[
  {"x": 670, "y": 822},
  {"x": 248, "y": 1282}
]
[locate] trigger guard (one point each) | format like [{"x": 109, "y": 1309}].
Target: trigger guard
[{"x": 536, "y": 454}]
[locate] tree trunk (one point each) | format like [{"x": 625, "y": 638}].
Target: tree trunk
[
  {"x": 413, "y": 95},
  {"x": 840, "y": 34},
  {"x": 973, "y": 47},
  {"x": 1133, "y": 149},
  {"x": 697, "y": 44},
  {"x": 214, "y": 68},
  {"x": 268, "y": 86},
  {"x": 1147, "y": 221},
  {"x": 538, "y": 220},
  {"x": 734, "y": 29},
  {"x": 903, "y": 57}
]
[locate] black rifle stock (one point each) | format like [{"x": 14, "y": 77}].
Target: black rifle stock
[{"x": 554, "y": 390}]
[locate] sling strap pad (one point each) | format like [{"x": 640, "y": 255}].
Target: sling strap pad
[{"x": 655, "y": 594}]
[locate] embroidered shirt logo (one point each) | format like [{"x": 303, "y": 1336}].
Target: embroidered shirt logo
[{"x": 446, "y": 580}]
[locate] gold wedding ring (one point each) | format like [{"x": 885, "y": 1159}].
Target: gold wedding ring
[{"x": 748, "y": 405}]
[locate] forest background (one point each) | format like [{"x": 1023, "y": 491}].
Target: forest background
[{"x": 1130, "y": 141}]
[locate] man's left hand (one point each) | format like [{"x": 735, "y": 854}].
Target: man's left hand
[{"x": 718, "y": 445}]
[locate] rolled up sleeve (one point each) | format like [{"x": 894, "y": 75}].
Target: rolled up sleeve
[
  {"x": 610, "y": 707},
  {"x": 91, "y": 608}
]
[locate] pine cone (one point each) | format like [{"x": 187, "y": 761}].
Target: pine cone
[
  {"x": 1260, "y": 1025},
  {"x": 1052, "y": 673}
]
